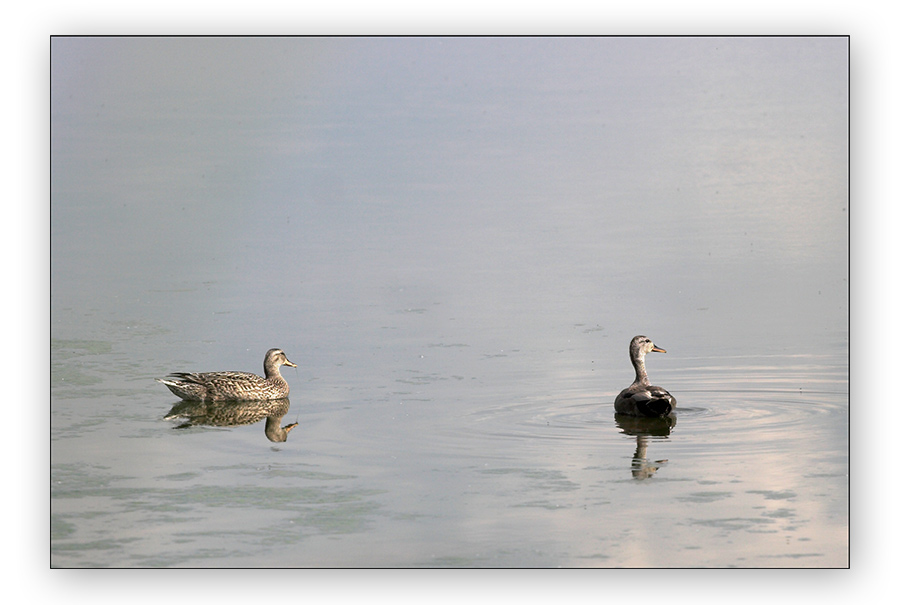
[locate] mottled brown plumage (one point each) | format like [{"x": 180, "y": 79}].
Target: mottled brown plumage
[{"x": 233, "y": 386}]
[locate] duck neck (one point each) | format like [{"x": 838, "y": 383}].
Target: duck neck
[
  {"x": 640, "y": 372},
  {"x": 272, "y": 370}
]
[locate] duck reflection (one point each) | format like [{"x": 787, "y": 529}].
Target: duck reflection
[
  {"x": 643, "y": 429},
  {"x": 235, "y": 413}
]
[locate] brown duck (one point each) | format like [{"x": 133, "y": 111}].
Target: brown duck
[{"x": 233, "y": 386}]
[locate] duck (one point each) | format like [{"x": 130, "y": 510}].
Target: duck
[
  {"x": 642, "y": 398},
  {"x": 233, "y": 386}
]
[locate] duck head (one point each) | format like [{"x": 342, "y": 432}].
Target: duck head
[
  {"x": 641, "y": 345},
  {"x": 276, "y": 357}
]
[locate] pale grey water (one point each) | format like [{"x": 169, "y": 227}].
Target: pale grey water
[{"x": 455, "y": 240}]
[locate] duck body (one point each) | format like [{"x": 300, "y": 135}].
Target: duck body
[
  {"x": 642, "y": 398},
  {"x": 233, "y": 386}
]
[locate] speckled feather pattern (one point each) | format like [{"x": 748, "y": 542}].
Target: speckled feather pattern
[{"x": 232, "y": 386}]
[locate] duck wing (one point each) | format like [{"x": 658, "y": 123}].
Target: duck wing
[{"x": 654, "y": 401}]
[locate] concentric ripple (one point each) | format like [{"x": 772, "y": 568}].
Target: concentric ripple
[{"x": 771, "y": 406}]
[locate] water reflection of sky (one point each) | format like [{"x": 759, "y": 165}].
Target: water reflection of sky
[
  {"x": 716, "y": 169},
  {"x": 475, "y": 226}
]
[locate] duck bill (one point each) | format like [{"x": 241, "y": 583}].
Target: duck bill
[
  {"x": 294, "y": 365},
  {"x": 656, "y": 349}
]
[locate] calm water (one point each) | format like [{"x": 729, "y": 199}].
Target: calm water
[{"x": 455, "y": 240}]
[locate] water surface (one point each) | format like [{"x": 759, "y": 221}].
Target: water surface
[{"x": 455, "y": 240}]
